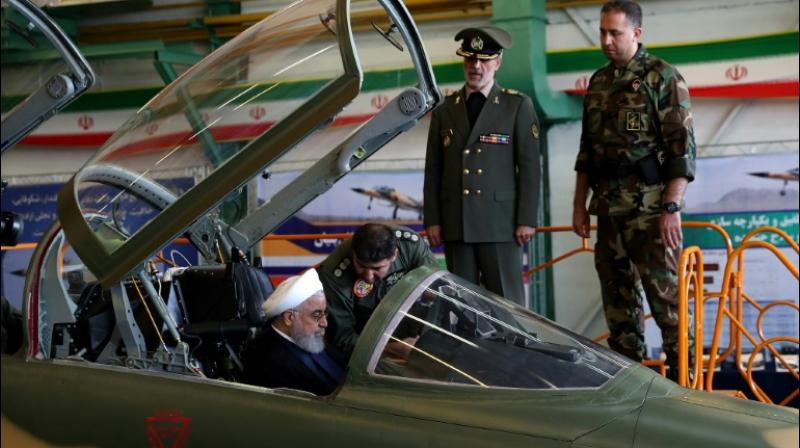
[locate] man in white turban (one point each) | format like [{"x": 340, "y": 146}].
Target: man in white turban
[{"x": 290, "y": 351}]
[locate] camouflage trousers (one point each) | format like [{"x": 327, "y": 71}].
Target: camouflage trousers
[{"x": 632, "y": 261}]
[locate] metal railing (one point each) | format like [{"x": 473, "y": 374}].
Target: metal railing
[
  {"x": 731, "y": 297},
  {"x": 732, "y": 300}
]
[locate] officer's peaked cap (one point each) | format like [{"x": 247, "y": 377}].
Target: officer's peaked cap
[{"x": 485, "y": 42}]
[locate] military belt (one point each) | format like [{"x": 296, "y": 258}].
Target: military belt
[
  {"x": 647, "y": 169},
  {"x": 617, "y": 171}
]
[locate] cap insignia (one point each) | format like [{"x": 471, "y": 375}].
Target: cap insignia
[{"x": 476, "y": 43}]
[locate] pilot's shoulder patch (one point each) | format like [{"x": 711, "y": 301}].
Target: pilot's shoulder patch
[{"x": 512, "y": 92}]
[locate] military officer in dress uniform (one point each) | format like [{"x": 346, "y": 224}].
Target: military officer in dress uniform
[
  {"x": 361, "y": 271},
  {"x": 482, "y": 170}
]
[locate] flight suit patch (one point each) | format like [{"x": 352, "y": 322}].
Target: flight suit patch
[
  {"x": 535, "y": 130},
  {"x": 636, "y": 84},
  {"x": 362, "y": 289}
]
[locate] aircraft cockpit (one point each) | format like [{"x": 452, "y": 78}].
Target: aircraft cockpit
[
  {"x": 192, "y": 168},
  {"x": 455, "y": 332}
]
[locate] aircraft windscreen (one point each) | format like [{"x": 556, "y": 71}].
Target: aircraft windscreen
[
  {"x": 225, "y": 102},
  {"x": 451, "y": 331}
]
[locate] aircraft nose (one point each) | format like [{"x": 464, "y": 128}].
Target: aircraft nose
[{"x": 358, "y": 190}]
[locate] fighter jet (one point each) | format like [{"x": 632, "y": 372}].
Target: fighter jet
[
  {"x": 149, "y": 358},
  {"x": 395, "y": 198},
  {"x": 786, "y": 176}
]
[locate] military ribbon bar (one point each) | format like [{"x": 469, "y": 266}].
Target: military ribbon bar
[{"x": 495, "y": 139}]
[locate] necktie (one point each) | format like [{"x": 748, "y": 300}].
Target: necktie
[{"x": 475, "y": 103}]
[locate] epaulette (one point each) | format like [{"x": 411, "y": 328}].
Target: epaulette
[
  {"x": 343, "y": 265},
  {"x": 406, "y": 235},
  {"x": 512, "y": 92}
]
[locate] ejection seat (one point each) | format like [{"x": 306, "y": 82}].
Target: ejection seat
[{"x": 220, "y": 308}]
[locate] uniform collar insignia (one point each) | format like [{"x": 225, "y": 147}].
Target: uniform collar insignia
[{"x": 392, "y": 279}]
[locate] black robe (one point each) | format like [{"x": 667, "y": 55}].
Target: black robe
[{"x": 273, "y": 361}]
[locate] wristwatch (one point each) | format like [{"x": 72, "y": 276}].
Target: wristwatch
[{"x": 671, "y": 207}]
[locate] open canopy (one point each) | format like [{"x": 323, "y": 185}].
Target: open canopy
[{"x": 276, "y": 92}]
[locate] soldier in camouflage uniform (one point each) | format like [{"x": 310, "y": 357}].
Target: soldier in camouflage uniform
[
  {"x": 361, "y": 271},
  {"x": 637, "y": 154}
]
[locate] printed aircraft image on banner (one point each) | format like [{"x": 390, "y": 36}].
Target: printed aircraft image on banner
[
  {"x": 148, "y": 353},
  {"x": 394, "y": 198},
  {"x": 786, "y": 177}
]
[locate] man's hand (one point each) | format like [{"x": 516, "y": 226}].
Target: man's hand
[
  {"x": 434, "y": 234},
  {"x": 400, "y": 351},
  {"x": 580, "y": 221},
  {"x": 524, "y": 234},
  {"x": 671, "y": 233}
]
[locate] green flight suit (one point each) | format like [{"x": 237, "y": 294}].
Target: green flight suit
[
  {"x": 347, "y": 312},
  {"x": 481, "y": 183},
  {"x": 637, "y": 136}
]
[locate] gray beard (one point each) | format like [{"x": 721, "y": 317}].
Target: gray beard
[{"x": 312, "y": 343}]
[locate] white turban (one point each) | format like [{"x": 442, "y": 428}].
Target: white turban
[{"x": 292, "y": 292}]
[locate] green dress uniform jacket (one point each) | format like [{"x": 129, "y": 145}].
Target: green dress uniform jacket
[
  {"x": 350, "y": 303},
  {"x": 481, "y": 183}
]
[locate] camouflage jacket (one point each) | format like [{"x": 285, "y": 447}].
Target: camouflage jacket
[{"x": 629, "y": 114}]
